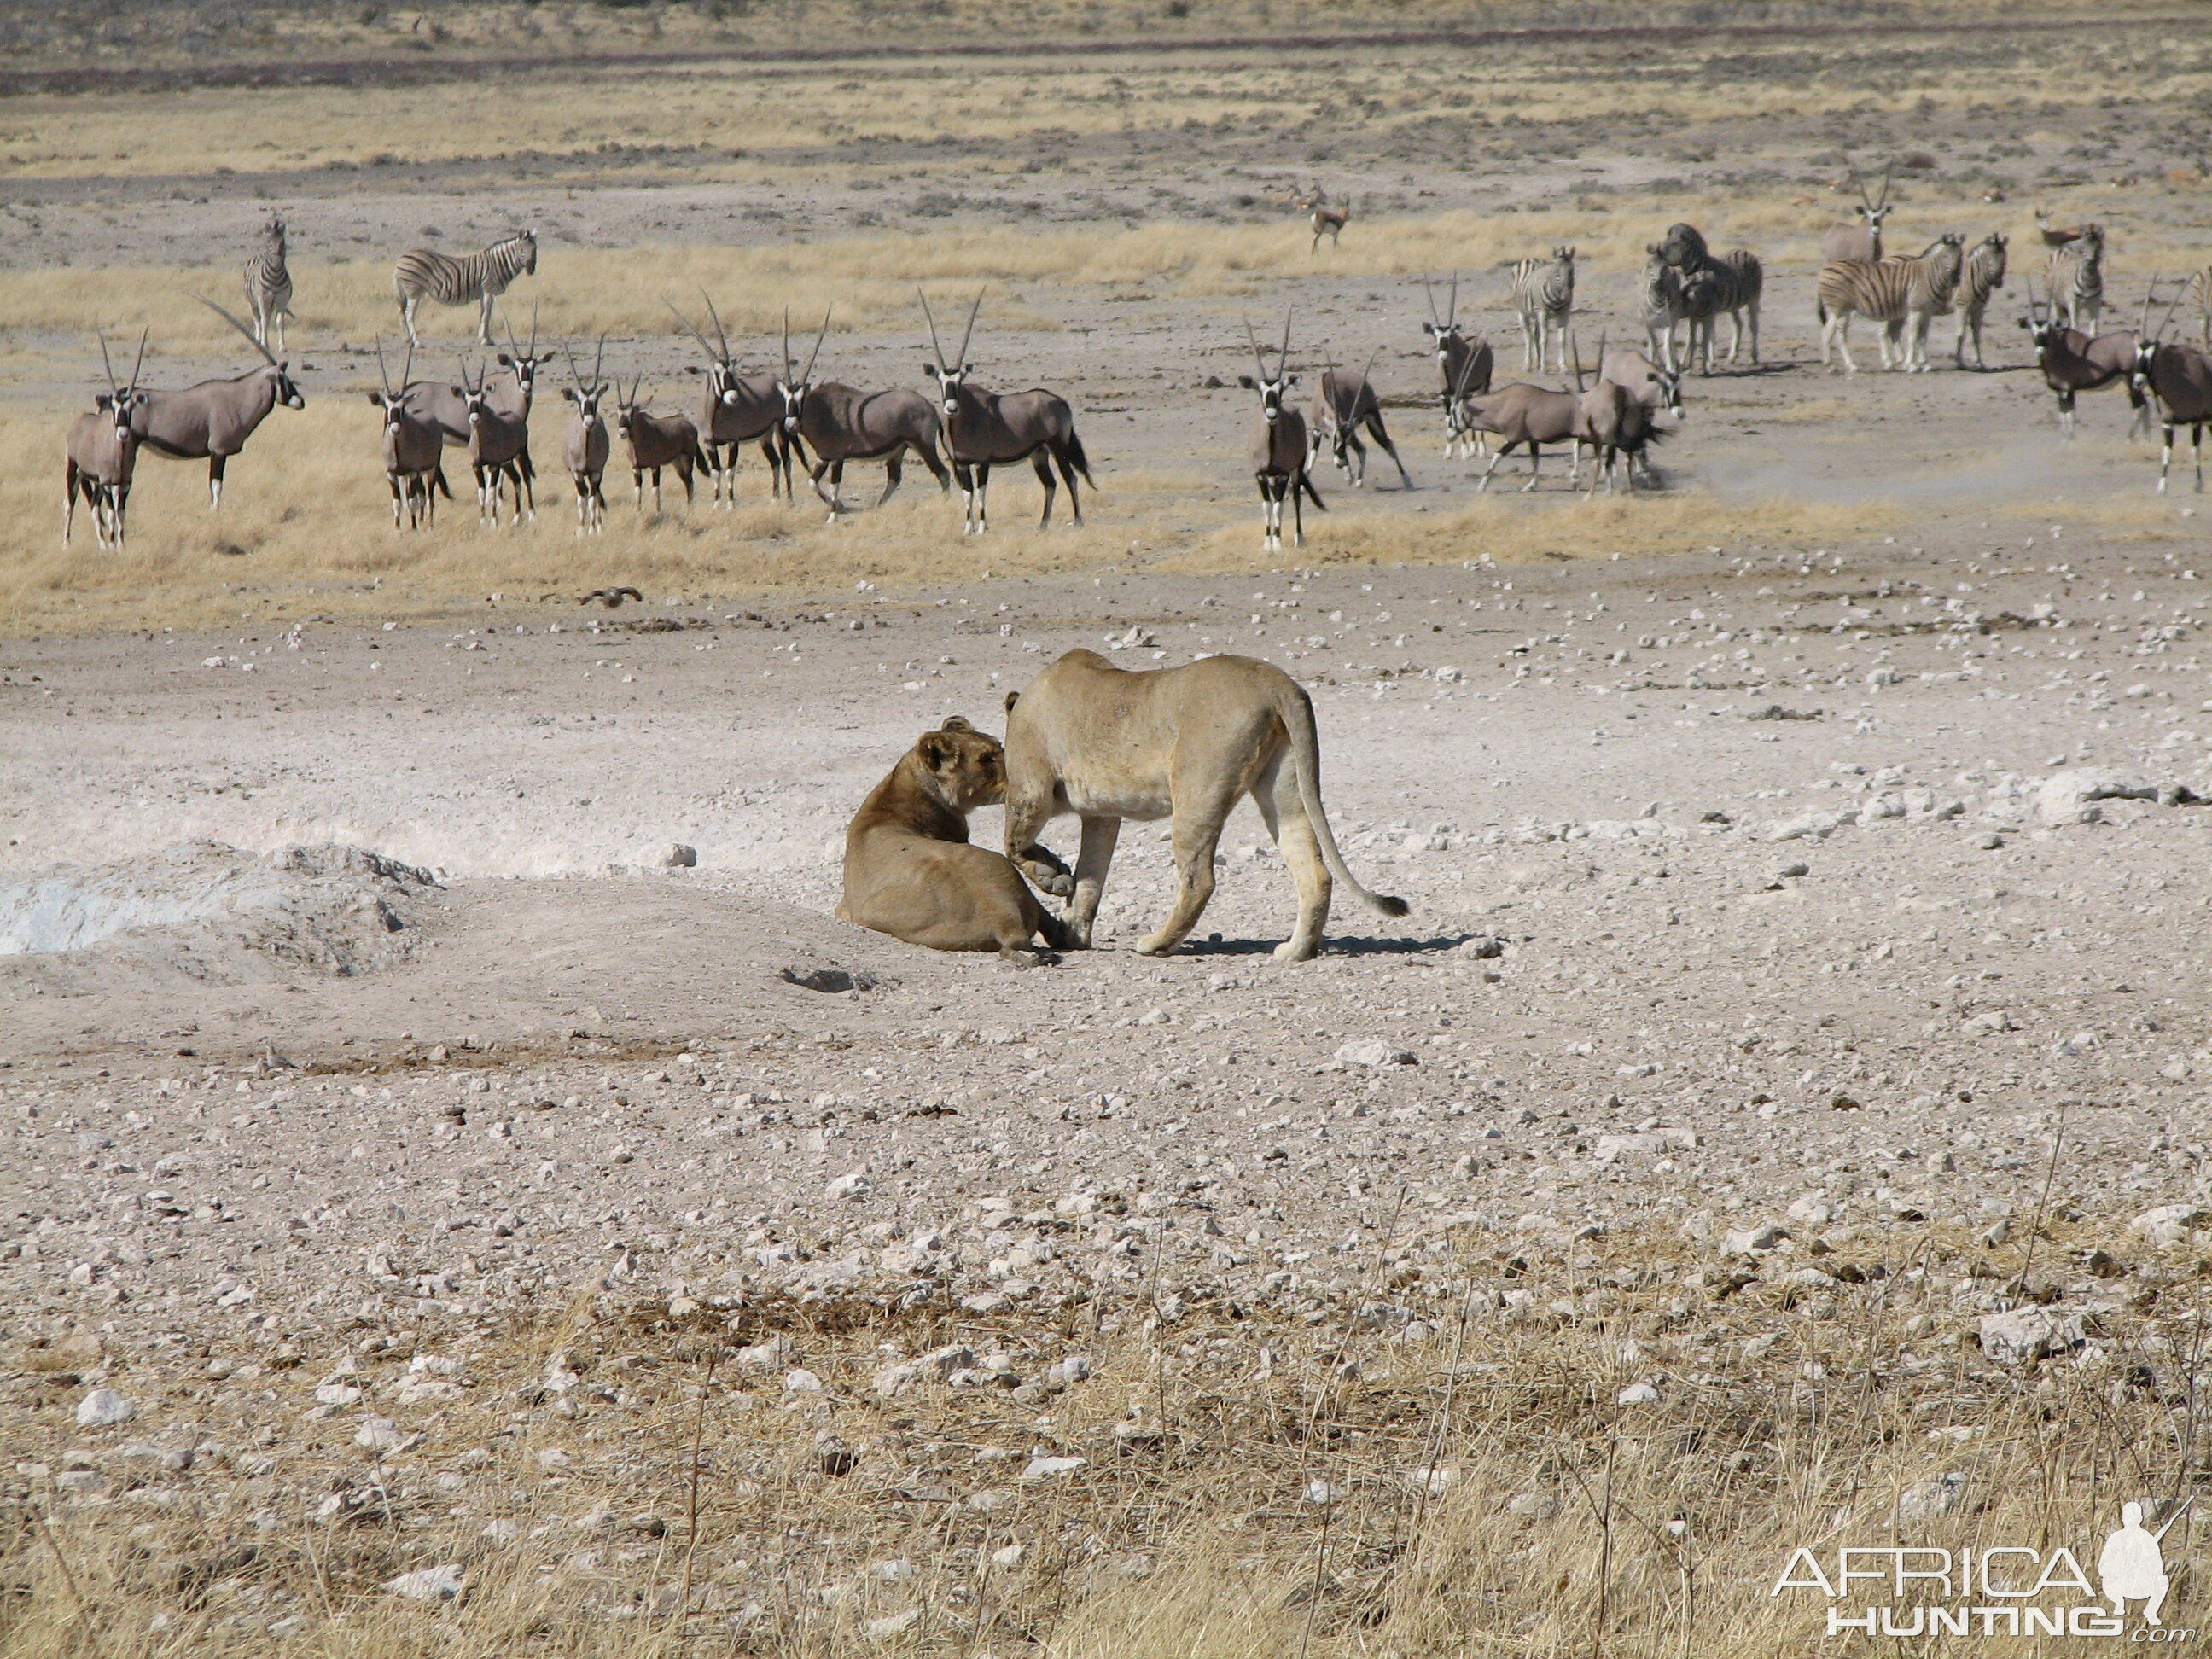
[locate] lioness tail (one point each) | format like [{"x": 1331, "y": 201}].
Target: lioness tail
[{"x": 1295, "y": 708}]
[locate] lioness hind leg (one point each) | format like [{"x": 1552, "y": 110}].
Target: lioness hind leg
[
  {"x": 1196, "y": 834},
  {"x": 1285, "y": 816}
]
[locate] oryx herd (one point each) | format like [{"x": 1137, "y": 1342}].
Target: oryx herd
[{"x": 960, "y": 429}]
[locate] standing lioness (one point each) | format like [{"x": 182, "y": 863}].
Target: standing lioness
[
  {"x": 1089, "y": 738},
  {"x": 910, "y": 870}
]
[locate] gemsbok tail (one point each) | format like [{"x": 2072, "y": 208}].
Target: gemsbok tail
[
  {"x": 1294, "y": 710},
  {"x": 1078, "y": 459}
]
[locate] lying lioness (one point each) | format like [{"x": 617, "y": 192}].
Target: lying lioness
[
  {"x": 1089, "y": 738},
  {"x": 911, "y": 871}
]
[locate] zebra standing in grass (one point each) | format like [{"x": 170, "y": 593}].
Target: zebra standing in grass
[
  {"x": 1739, "y": 281},
  {"x": 1544, "y": 297},
  {"x": 1983, "y": 276},
  {"x": 2074, "y": 276},
  {"x": 268, "y": 285},
  {"x": 1901, "y": 294},
  {"x": 2199, "y": 293},
  {"x": 479, "y": 278}
]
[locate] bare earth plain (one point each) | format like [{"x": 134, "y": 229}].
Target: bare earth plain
[{"x": 1782, "y": 1118}]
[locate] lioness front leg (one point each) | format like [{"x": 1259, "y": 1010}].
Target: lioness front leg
[
  {"x": 1092, "y": 860},
  {"x": 1027, "y": 814},
  {"x": 1046, "y": 869}
]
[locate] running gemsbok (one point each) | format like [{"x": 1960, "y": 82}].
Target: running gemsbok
[
  {"x": 839, "y": 423},
  {"x": 657, "y": 441},
  {"x": 1466, "y": 364},
  {"x": 102, "y": 455},
  {"x": 211, "y": 422},
  {"x": 984, "y": 429},
  {"x": 470, "y": 279},
  {"x": 735, "y": 411},
  {"x": 1343, "y": 403},
  {"x": 585, "y": 448},
  {"x": 413, "y": 450},
  {"x": 1280, "y": 454}
]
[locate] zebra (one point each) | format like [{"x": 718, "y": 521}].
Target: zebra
[
  {"x": 2199, "y": 293},
  {"x": 477, "y": 277},
  {"x": 1900, "y": 294},
  {"x": 2074, "y": 278},
  {"x": 1659, "y": 304},
  {"x": 1983, "y": 276},
  {"x": 1739, "y": 281},
  {"x": 1544, "y": 296},
  {"x": 269, "y": 286}
]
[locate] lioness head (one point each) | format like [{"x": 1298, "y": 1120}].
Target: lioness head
[{"x": 970, "y": 766}]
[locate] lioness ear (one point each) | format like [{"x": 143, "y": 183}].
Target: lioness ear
[
  {"x": 956, "y": 723},
  {"x": 934, "y": 751},
  {"x": 1012, "y": 697}
]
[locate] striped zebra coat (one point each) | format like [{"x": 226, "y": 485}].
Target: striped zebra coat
[
  {"x": 2074, "y": 276},
  {"x": 268, "y": 285},
  {"x": 1659, "y": 307},
  {"x": 1902, "y": 294},
  {"x": 1544, "y": 299},
  {"x": 1738, "y": 282},
  {"x": 1982, "y": 275},
  {"x": 481, "y": 278},
  {"x": 2200, "y": 295}
]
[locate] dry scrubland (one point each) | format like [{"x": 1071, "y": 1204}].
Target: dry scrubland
[{"x": 1417, "y": 1443}]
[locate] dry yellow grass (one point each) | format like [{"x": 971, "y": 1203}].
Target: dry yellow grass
[{"x": 1250, "y": 1486}]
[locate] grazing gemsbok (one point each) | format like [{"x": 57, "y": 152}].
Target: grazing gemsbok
[
  {"x": 471, "y": 278},
  {"x": 656, "y": 441},
  {"x": 268, "y": 285},
  {"x": 735, "y": 411},
  {"x": 1543, "y": 292},
  {"x": 1860, "y": 239},
  {"x": 413, "y": 450},
  {"x": 2074, "y": 276},
  {"x": 1531, "y": 414},
  {"x": 1738, "y": 282},
  {"x": 2073, "y": 363},
  {"x": 1983, "y": 276},
  {"x": 1327, "y": 219},
  {"x": 1465, "y": 362},
  {"x": 1344, "y": 403},
  {"x": 983, "y": 430},
  {"x": 211, "y": 422},
  {"x": 1902, "y": 294},
  {"x": 1280, "y": 454},
  {"x": 2180, "y": 375},
  {"x": 839, "y": 423},
  {"x": 102, "y": 455},
  {"x": 584, "y": 447},
  {"x": 499, "y": 445}
]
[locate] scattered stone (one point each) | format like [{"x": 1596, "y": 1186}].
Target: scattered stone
[
  {"x": 1533, "y": 1506},
  {"x": 2166, "y": 1226},
  {"x": 830, "y": 979},
  {"x": 1750, "y": 1241},
  {"x": 385, "y": 1437},
  {"x": 2026, "y": 1333},
  {"x": 801, "y": 1380},
  {"x": 439, "y": 1584},
  {"x": 1930, "y": 1499},
  {"x": 1639, "y": 1393},
  {"x": 855, "y": 1185},
  {"x": 1041, "y": 1467},
  {"x": 935, "y": 1366},
  {"x": 2069, "y": 797},
  {"x": 679, "y": 857},
  {"x": 891, "y": 1624},
  {"x": 772, "y": 1355},
  {"x": 104, "y": 1408},
  {"x": 1373, "y": 1052}
]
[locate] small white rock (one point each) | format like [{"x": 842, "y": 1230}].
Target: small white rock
[
  {"x": 1373, "y": 1052},
  {"x": 1639, "y": 1393},
  {"x": 104, "y": 1408},
  {"x": 439, "y": 1584},
  {"x": 1044, "y": 1469}
]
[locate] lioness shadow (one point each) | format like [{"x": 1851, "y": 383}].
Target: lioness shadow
[{"x": 1332, "y": 947}]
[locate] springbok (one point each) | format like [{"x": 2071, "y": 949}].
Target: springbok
[
  {"x": 2180, "y": 375},
  {"x": 498, "y": 443},
  {"x": 839, "y": 423},
  {"x": 477, "y": 278},
  {"x": 1279, "y": 451},
  {"x": 211, "y": 422},
  {"x": 1860, "y": 239},
  {"x": 102, "y": 452},
  {"x": 735, "y": 411},
  {"x": 585, "y": 448},
  {"x": 1326, "y": 219},
  {"x": 983, "y": 430},
  {"x": 268, "y": 285},
  {"x": 1465, "y": 363},
  {"x": 1344, "y": 403},
  {"x": 657, "y": 441},
  {"x": 2073, "y": 363},
  {"x": 413, "y": 450}
]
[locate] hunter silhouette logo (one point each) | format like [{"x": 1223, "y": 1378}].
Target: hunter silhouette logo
[{"x": 1996, "y": 1589}]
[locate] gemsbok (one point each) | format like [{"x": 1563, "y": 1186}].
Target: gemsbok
[
  {"x": 467, "y": 279},
  {"x": 211, "y": 422},
  {"x": 2071, "y": 362},
  {"x": 1530, "y": 415},
  {"x": 499, "y": 446},
  {"x": 1278, "y": 449},
  {"x": 1343, "y": 403},
  {"x": 984, "y": 429},
  {"x": 102, "y": 452},
  {"x": 585, "y": 447},
  {"x": 1860, "y": 239},
  {"x": 839, "y": 423},
  {"x": 1902, "y": 294},
  {"x": 1465, "y": 363},
  {"x": 657, "y": 441},
  {"x": 1653, "y": 386},
  {"x": 2180, "y": 375},
  {"x": 509, "y": 394},
  {"x": 414, "y": 451},
  {"x": 268, "y": 285},
  {"x": 736, "y": 409}
]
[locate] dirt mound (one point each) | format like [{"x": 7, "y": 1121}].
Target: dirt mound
[{"x": 211, "y": 911}]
